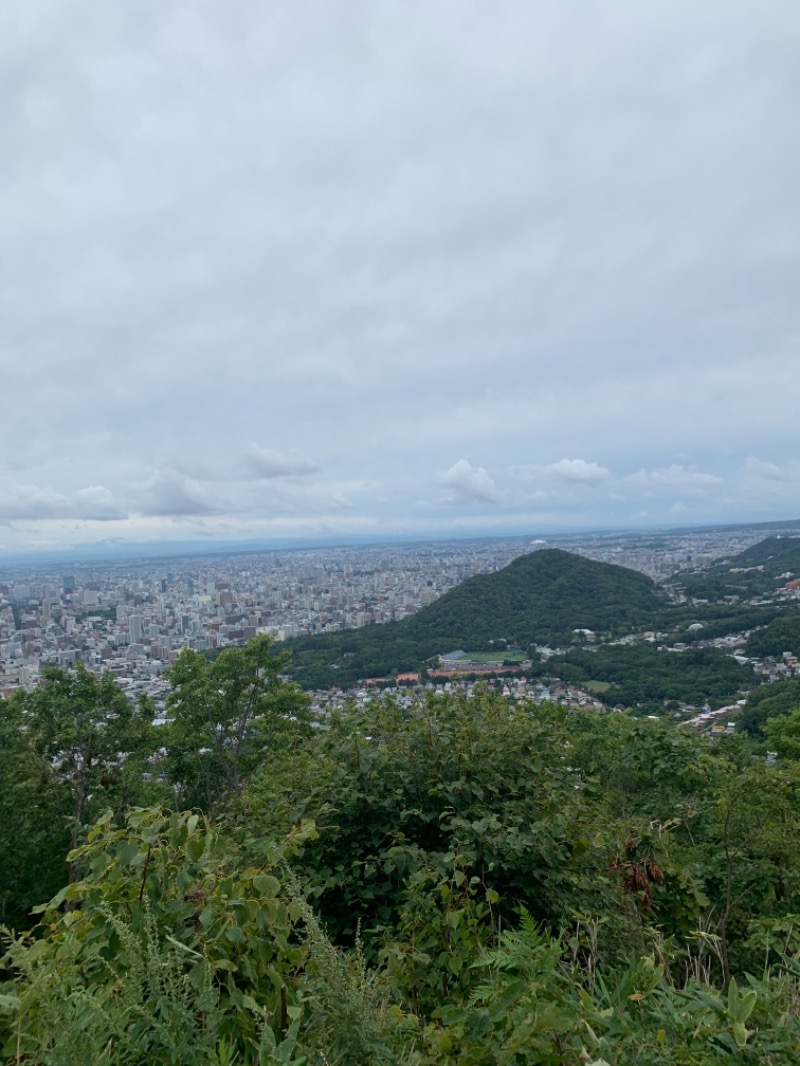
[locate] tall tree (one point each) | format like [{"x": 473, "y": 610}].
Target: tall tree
[
  {"x": 33, "y": 834},
  {"x": 95, "y": 743},
  {"x": 227, "y": 715}
]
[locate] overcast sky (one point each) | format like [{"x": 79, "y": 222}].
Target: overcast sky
[{"x": 340, "y": 267}]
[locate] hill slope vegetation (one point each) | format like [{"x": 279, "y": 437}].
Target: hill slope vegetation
[
  {"x": 757, "y": 570},
  {"x": 540, "y": 598}
]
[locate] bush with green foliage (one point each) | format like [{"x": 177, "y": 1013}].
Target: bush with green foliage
[
  {"x": 226, "y": 715},
  {"x": 465, "y": 880},
  {"x": 172, "y": 950}
]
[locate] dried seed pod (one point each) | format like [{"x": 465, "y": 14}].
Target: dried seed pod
[{"x": 654, "y": 871}]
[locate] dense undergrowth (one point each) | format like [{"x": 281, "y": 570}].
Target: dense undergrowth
[{"x": 467, "y": 882}]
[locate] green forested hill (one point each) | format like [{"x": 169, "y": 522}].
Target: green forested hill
[
  {"x": 642, "y": 675},
  {"x": 541, "y": 598},
  {"x": 774, "y": 553},
  {"x": 538, "y": 598},
  {"x": 756, "y": 570},
  {"x": 770, "y": 701},
  {"x": 782, "y": 634}
]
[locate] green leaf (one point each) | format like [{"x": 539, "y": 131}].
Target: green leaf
[
  {"x": 267, "y": 886},
  {"x": 208, "y": 916},
  {"x": 740, "y": 1004},
  {"x": 195, "y": 847},
  {"x": 183, "y": 947},
  {"x": 740, "y": 1034},
  {"x": 127, "y": 852}
]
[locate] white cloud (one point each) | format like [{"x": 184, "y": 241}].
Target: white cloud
[
  {"x": 771, "y": 471},
  {"x": 467, "y": 484},
  {"x": 579, "y": 472},
  {"x": 675, "y": 477}
]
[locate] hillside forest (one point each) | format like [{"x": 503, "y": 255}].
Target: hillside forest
[
  {"x": 465, "y": 880},
  {"x": 550, "y": 597}
]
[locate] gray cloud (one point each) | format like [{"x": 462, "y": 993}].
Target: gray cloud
[
  {"x": 97, "y": 503},
  {"x": 377, "y": 237},
  {"x": 170, "y": 492},
  {"x": 757, "y": 468},
  {"x": 675, "y": 477},
  {"x": 579, "y": 472},
  {"x": 30, "y": 502},
  {"x": 266, "y": 463}
]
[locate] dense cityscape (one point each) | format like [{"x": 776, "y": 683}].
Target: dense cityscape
[{"x": 132, "y": 618}]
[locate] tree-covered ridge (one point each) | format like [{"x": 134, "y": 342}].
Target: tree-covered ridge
[
  {"x": 780, "y": 635},
  {"x": 755, "y": 571},
  {"x": 643, "y": 675},
  {"x": 771, "y": 701},
  {"x": 721, "y": 620},
  {"x": 775, "y": 553},
  {"x": 539, "y": 598},
  {"x": 542, "y": 598}
]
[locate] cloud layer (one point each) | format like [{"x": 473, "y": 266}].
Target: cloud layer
[{"x": 399, "y": 267}]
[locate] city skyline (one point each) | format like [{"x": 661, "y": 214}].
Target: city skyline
[
  {"x": 342, "y": 271},
  {"x": 133, "y": 617}
]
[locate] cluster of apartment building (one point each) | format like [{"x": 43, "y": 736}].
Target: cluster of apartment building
[{"x": 134, "y": 618}]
